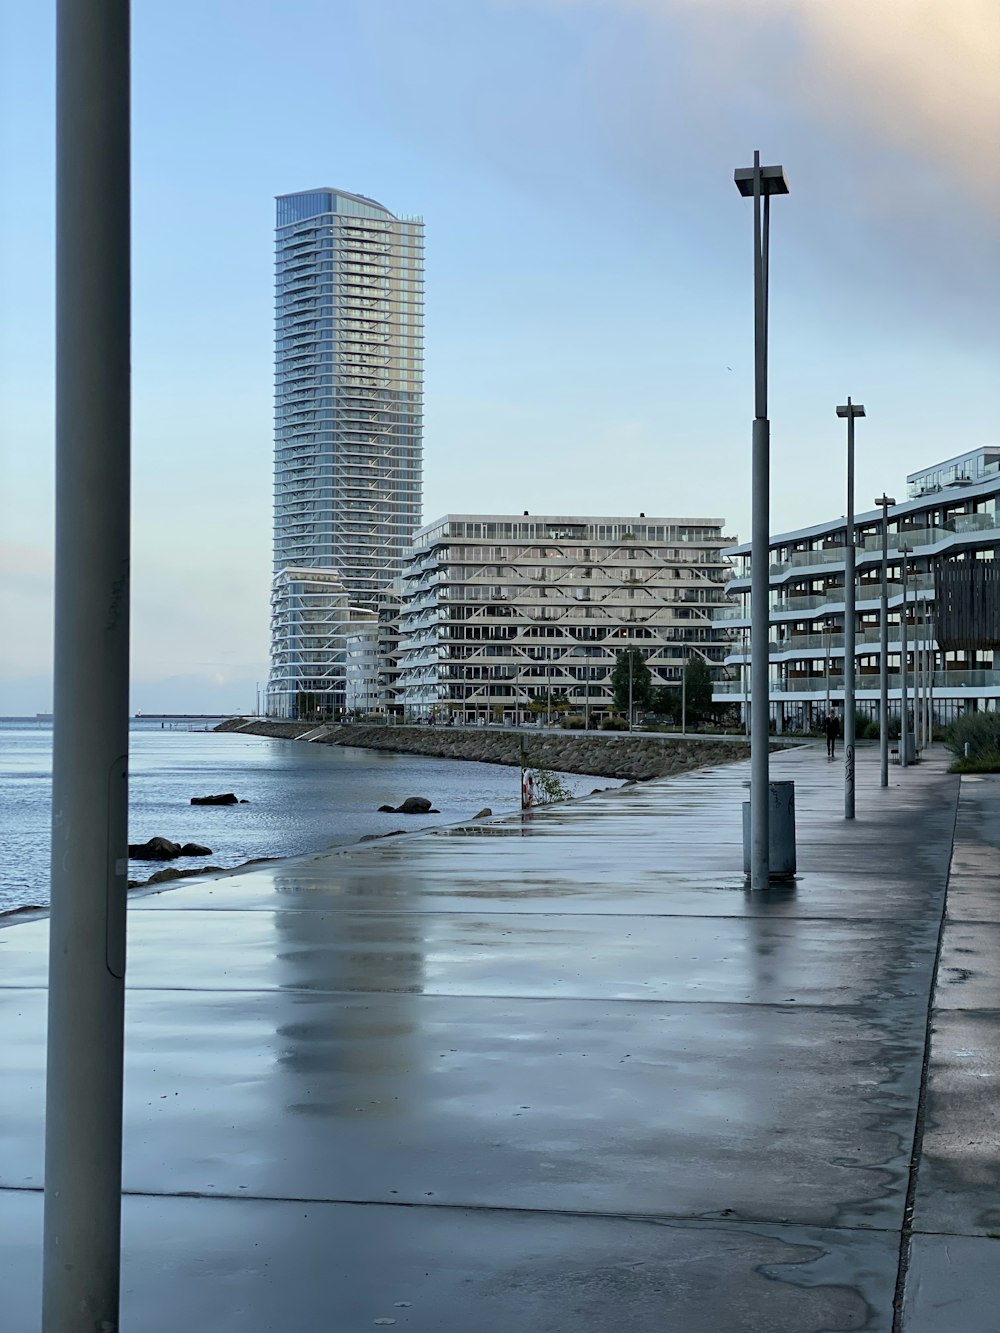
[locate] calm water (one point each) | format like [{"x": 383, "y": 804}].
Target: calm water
[{"x": 302, "y": 797}]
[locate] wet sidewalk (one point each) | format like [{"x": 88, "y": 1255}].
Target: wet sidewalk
[{"x": 558, "y": 1074}]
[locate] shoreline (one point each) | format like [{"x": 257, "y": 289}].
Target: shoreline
[
  {"x": 640, "y": 757},
  {"x": 635, "y": 757},
  {"x": 139, "y": 888}
]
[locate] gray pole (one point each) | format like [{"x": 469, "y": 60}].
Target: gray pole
[
  {"x": 745, "y": 673},
  {"x": 83, "y": 1124},
  {"x": 629, "y": 689},
  {"x": 760, "y": 738},
  {"x": 759, "y": 183},
  {"x": 930, "y": 678},
  {"x": 850, "y": 411},
  {"x": 883, "y": 669},
  {"x": 928, "y": 674},
  {"x": 849, "y": 627},
  {"x": 928, "y": 671},
  {"x": 919, "y": 671},
  {"x": 684, "y": 704},
  {"x": 904, "y": 653}
]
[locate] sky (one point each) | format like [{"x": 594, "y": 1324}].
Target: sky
[{"x": 588, "y": 284}]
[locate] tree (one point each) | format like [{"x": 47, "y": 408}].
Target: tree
[
  {"x": 641, "y": 680},
  {"x": 698, "y": 688},
  {"x": 665, "y": 701}
]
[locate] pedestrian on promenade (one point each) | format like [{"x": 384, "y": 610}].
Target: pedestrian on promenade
[{"x": 832, "y": 727}]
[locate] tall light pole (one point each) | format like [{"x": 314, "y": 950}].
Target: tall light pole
[
  {"x": 629, "y": 651},
  {"x": 904, "y": 652},
  {"x": 885, "y": 503},
  {"x": 759, "y": 184},
  {"x": 851, "y": 411},
  {"x": 83, "y": 1094}
]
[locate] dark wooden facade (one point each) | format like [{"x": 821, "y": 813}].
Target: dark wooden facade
[{"x": 967, "y": 597}]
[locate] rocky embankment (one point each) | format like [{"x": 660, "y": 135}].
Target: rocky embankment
[{"x": 606, "y": 755}]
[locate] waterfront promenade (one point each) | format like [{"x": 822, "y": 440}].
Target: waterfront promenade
[{"x": 558, "y": 1074}]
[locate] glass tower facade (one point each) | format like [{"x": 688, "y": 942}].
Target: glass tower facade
[{"x": 348, "y": 401}]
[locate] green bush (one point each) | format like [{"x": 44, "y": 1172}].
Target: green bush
[
  {"x": 572, "y": 722},
  {"x": 614, "y": 724},
  {"x": 865, "y": 728},
  {"x": 990, "y": 763},
  {"x": 980, "y": 732}
]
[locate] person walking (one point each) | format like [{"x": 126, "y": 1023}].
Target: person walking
[{"x": 832, "y": 727}]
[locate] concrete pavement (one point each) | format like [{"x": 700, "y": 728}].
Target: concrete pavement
[{"x": 552, "y": 1074}]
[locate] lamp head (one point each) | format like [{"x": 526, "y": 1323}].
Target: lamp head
[
  {"x": 772, "y": 180},
  {"x": 850, "y": 409},
  {"x": 884, "y": 502}
]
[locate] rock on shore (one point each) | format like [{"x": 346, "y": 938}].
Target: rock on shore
[{"x": 638, "y": 757}]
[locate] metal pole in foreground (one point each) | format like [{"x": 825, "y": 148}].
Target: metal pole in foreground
[
  {"x": 759, "y": 183},
  {"x": 82, "y": 1238},
  {"x": 850, "y": 411},
  {"x": 884, "y": 503}
]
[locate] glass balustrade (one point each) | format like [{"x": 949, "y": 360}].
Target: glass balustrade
[{"x": 947, "y": 681}]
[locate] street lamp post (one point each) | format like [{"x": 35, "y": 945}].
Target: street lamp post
[
  {"x": 759, "y": 184},
  {"x": 919, "y": 673},
  {"x": 904, "y": 652},
  {"x": 851, "y": 411},
  {"x": 629, "y": 651},
  {"x": 885, "y": 503}
]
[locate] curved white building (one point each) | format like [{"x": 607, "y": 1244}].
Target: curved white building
[
  {"x": 348, "y": 403},
  {"x": 950, "y": 514}
]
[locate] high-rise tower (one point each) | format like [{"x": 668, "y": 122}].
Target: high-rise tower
[{"x": 348, "y": 409}]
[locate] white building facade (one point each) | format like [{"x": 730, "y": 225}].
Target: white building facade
[
  {"x": 311, "y": 619},
  {"x": 348, "y": 399},
  {"x": 502, "y": 611},
  {"x": 361, "y": 685},
  {"x": 950, "y": 514}
]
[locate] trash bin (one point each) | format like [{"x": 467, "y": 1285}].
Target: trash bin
[
  {"x": 911, "y": 749},
  {"x": 780, "y": 829}
]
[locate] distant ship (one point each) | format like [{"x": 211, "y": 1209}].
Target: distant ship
[{"x": 45, "y": 717}]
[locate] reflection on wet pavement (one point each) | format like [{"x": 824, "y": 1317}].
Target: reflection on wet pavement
[{"x": 610, "y": 1086}]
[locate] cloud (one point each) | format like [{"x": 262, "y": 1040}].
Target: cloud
[{"x": 918, "y": 76}]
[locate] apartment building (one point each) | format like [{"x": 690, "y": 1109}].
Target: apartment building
[
  {"x": 348, "y": 402},
  {"x": 501, "y": 611},
  {"x": 949, "y": 514}
]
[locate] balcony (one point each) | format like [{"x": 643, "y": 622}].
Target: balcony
[{"x": 868, "y": 683}]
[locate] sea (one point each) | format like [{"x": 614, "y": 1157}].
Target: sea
[{"x": 300, "y": 797}]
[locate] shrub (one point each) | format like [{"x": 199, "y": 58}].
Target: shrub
[
  {"x": 980, "y": 732},
  {"x": 614, "y": 724},
  {"x": 572, "y": 722},
  {"x": 550, "y": 787},
  {"x": 865, "y": 728},
  {"x": 989, "y": 764}
]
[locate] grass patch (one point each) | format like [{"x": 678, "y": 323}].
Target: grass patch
[{"x": 989, "y": 763}]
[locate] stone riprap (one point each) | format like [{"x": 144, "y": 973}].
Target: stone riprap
[{"x": 613, "y": 755}]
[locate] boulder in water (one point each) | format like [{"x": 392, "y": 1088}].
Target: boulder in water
[
  {"x": 156, "y": 849},
  {"x": 415, "y": 805},
  {"x": 224, "y": 798}
]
